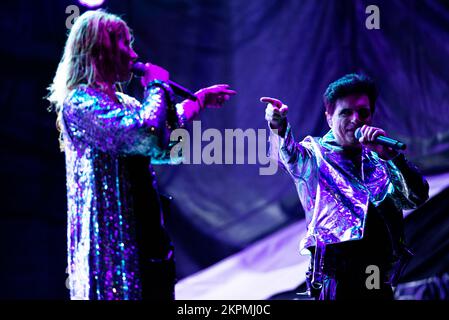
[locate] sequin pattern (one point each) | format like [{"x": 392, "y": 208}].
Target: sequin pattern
[{"x": 98, "y": 132}]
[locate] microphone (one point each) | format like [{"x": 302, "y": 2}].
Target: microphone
[
  {"x": 139, "y": 70},
  {"x": 395, "y": 144}
]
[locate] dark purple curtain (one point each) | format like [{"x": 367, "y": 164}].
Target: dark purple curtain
[{"x": 292, "y": 50}]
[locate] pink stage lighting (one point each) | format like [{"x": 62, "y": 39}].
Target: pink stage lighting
[{"x": 91, "y": 3}]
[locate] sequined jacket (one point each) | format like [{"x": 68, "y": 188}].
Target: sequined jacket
[
  {"x": 335, "y": 194},
  {"x": 100, "y": 136}
]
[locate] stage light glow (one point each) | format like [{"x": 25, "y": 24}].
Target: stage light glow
[{"x": 91, "y": 3}]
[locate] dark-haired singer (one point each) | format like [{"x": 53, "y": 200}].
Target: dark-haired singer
[{"x": 353, "y": 192}]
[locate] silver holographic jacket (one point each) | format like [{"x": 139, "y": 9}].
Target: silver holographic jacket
[
  {"x": 335, "y": 195},
  {"x": 99, "y": 135}
]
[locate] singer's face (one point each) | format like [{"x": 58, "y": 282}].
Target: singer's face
[
  {"x": 351, "y": 112},
  {"x": 126, "y": 56}
]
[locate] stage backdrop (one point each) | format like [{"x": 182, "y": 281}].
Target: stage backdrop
[{"x": 286, "y": 49}]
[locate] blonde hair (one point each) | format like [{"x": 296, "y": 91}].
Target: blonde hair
[{"x": 90, "y": 52}]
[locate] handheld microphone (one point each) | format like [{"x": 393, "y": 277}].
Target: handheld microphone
[
  {"x": 139, "y": 70},
  {"x": 395, "y": 144}
]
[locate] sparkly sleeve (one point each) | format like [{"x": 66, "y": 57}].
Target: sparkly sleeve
[
  {"x": 410, "y": 187},
  {"x": 169, "y": 116},
  {"x": 126, "y": 128},
  {"x": 295, "y": 157}
]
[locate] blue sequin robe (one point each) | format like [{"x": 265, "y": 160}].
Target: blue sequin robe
[{"x": 107, "y": 145}]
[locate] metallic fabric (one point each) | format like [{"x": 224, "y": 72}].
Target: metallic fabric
[
  {"x": 335, "y": 194},
  {"x": 99, "y": 134}
]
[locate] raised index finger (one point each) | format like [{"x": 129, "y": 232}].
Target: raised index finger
[
  {"x": 222, "y": 89},
  {"x": 273, "y": 101}
]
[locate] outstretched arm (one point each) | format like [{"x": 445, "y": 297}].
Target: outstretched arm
[
  {"x": 211, "y": 97},
  {"x": 276, "y": 115},
  {"x": 93, "y": 119},
  {"x": 294, "y": 157}
]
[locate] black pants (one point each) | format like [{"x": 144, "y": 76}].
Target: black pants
[
  {"x": 158, "y": 280},
  {"x": 345, "y": 265},
  {"x": 156, "y": 252},
  {"x": 356, "y": 283}
]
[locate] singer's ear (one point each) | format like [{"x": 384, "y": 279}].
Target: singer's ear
[{"x": 329, "y": 119}]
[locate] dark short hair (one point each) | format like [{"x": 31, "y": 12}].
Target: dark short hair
[{"x": 349, "y": 84}]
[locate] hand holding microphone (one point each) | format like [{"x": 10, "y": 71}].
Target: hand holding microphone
[
  {"x": 150, "y": 72},
  {"x": 210, "y": 97},
  {"x": 376, "y": 140}
]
